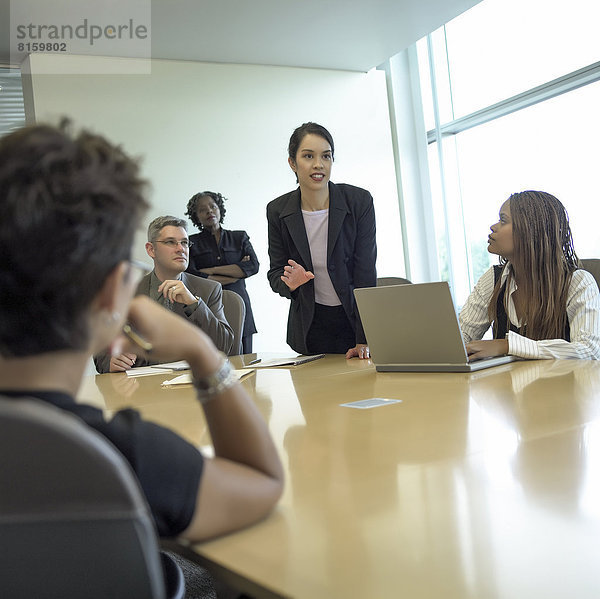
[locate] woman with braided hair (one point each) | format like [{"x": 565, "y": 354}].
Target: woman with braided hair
[{"x": 540, "y": 304}]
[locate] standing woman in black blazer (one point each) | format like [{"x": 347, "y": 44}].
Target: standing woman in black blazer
[
  {"x": 321, "y": 247},
  {"x": 222, "y": 255}
]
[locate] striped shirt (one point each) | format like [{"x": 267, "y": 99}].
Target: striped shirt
[{"x": 583, "y": 313}]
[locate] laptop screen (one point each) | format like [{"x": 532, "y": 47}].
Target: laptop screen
[{"x": 415, "y": 323}]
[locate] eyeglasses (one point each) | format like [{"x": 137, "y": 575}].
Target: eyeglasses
[{"x": 173, "y": 243}]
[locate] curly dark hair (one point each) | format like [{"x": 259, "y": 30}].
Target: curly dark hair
[
  {"x": 70, "y": 208},
  {"x": 192, "y": 207}
]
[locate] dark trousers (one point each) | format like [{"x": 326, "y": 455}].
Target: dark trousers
[
  {"x": 247, "y": 344},
  {"x": 330, "y": 331}
]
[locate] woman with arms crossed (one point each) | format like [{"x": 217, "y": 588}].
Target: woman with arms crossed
[
  {"x": 222, "y": 255},
  {"x": 321, "y": 247},
  {"x": 540, "y": 304}
]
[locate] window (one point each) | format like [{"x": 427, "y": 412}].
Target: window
[
  {"x": 12, "y": 109},
  {"x": 500, "y": 48},
  {"x": 510, "y": 99},
  {"x": 550, "y": 146}
]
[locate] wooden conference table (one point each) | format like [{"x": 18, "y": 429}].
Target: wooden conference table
[{"x": 474, "y": 486}]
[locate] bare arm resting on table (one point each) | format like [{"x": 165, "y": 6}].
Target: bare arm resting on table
[{"x": 244, "y": 480}]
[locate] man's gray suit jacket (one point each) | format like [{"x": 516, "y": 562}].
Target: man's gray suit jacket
[{"x": 207, "y": 314}]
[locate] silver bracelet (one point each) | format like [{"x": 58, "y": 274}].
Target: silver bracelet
[{"x": 213, "y": 384}]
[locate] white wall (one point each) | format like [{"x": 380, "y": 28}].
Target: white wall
[{"x": 225, "y": 128}]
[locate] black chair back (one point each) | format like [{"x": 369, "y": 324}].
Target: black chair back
[
  {"x": 592, "y": 265},
  {"x": 235, "y": 313},
  {"x": 73, "y": 519}
]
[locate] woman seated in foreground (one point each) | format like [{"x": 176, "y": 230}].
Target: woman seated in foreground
[
  {"x": 67, "y": 296},
  {"x": 541, "y": 305}
]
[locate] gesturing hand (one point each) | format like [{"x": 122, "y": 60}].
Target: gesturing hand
[{"x": 295, "y": 275}]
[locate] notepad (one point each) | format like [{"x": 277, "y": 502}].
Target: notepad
[
  {"x": 186, "y": 379},
  {"x": 179, "y": 365},
  {"x": 293, "y": 361},
  {"x": 158, "y": 368},
  {"x": 146, "y": 371}
]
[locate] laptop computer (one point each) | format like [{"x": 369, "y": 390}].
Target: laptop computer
[{"x": 414, "y": 328}]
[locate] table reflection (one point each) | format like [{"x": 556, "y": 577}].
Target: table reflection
[
  {"x": 539, "y": 413},
  {"x": 471, "y": 487}
]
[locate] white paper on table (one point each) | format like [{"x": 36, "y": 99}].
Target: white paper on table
[
  {"x": 186, "y": 379},
  {"x": 158, "y": 368},
  {"x": 179, "y": 365},
  {"x": 294, "y": 361},
  {"x": 146, "y": 371}
]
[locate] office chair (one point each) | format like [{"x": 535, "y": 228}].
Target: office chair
[
  {"x": 592, "y": 265},
  {"x": 73, "y": 520},
  {"x": 384, "y": 281},
  {"x": 235, "y": 312}
]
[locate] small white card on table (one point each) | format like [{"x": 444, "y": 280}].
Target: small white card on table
[{"x": 373, "y": 402}]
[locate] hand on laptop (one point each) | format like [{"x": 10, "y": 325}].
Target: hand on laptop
[{"x": 487, "y": 349}]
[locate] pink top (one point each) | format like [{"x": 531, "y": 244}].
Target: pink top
[{"x": 316, "y": 225}]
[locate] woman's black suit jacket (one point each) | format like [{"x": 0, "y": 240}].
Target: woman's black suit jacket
[{"x": 351, "y": 255}]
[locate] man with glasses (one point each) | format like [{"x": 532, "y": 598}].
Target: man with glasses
[{"x": 198, "y": 300}]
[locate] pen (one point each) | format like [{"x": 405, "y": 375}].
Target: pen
[
  {"x": 134, "y": 336},
  {"x": 254, "y": 361}
]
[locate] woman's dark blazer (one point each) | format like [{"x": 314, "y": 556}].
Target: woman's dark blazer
[{"x": 351, "y": 254}]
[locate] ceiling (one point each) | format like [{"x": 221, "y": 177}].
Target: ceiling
[{"x": 351, "y": 35}]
